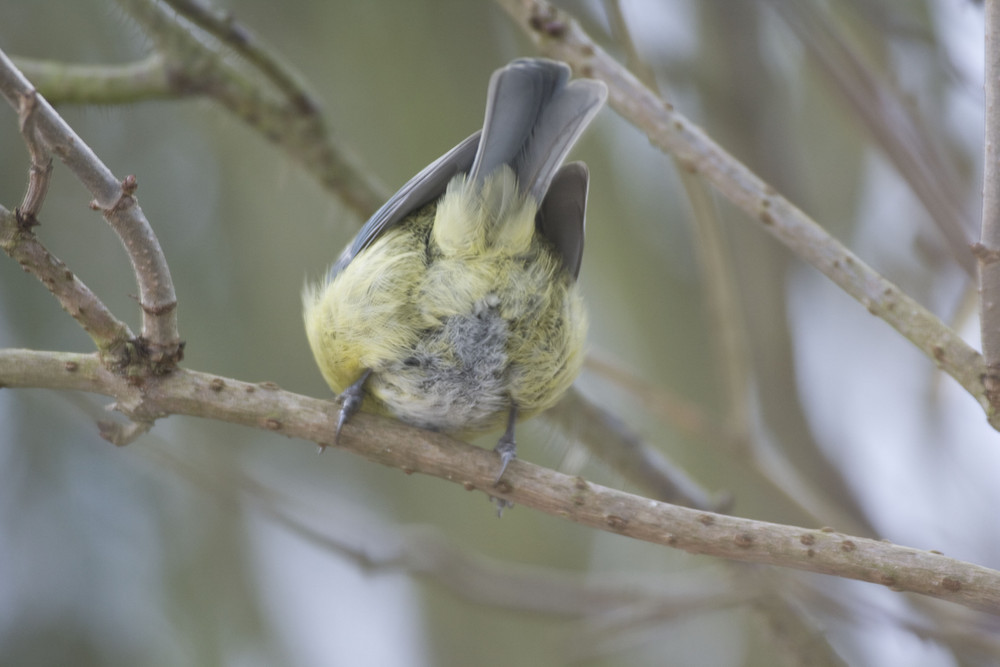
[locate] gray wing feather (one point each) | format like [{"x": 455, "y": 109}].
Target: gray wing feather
[
  {"x": 563, "y": 212},
  {"x": 419, "y": 191}
]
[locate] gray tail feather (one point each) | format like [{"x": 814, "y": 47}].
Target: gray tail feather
[{"x": 533, "y": 118}]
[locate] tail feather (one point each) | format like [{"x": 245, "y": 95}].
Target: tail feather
[{"x": 533, "y": 118}]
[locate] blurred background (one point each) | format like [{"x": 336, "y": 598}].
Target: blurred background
[{"x": 210, "y": 544}]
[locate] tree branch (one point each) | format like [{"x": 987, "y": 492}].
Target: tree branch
[
  {"x": 412, "y": 450},
  {"x": 988, "y": 249},
  {"x": 110, "y": 335},
  {"x": 558, "y": 36},
  {"x": 284, "y": 111},
  {"x": 611, "y": 440},
  {"x": 224, "y": 27},
  {"x": 375, "y": 546},
  {"x": 70, "y": 83},
  {"x": 115, "y": 200}
]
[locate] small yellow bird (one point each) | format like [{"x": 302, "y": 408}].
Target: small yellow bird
[{"x": 456, "y": 307}]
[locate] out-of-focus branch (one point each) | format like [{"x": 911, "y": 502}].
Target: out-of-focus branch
[
  {"x": 618, "y": 446},
  {"x": 276, "y": 104},
  {"x": 224, "y": 27},
  {"x": 722, "y": 308},
  {"x": 70, "y": 83},
  {"x": 558, "y": 36},
  {"x": 775, "y": 469},
  {"x": 891, "y": 125},
  {"x": 412, "y": 450},
  {"x": 261, "y": 90},
  {"x": 375, "y": 546},
  {"x": 988, "y": 249},
  {"x": 46, "y": 132}
]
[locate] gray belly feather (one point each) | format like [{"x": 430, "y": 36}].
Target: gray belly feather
[{"x": 456, "y": 378}]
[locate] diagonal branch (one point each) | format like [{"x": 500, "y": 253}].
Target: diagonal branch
[
  {"x": 283, "y": 111},
  {"x": 110, "y": 335},
  {"x": 558, "y": 36},
  {"x": 236, "y": 36}
]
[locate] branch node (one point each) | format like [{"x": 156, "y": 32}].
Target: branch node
[
  {"x": 546, "y": 20},
  {"x": 984, "y": 254},
  {"x": 137, "y": 359},
  {"x": 25, "y": 219},
  {"x": 129, "y": 185},
  {"x": 161, "y": 309},
  {"x": 121, "y": 435},
  {"x": 41, "y": 163}
]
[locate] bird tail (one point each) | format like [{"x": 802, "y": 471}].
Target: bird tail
[{"x": 534, "y": 115}]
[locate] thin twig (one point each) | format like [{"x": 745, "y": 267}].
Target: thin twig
[
  {"x": 775, "y": 469},
  {"x": 722, "y": 306},
  {"x": 160, "y": 340},
  {"x": 412, "y": 450},
  {"x": 988, "y": 249},
  {"x": 41, "y": 164},
  {"x": 111, "y": 336}
]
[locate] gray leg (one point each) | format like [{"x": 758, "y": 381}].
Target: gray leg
[
  {"x": 350, "y": 402},
  {"x": 506, "y": 446}
]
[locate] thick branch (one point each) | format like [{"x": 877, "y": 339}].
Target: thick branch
[
  {"x": 394, "y": 444},
  {"x": 558, "y": 36}
]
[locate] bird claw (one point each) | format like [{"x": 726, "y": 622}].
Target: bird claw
[
  {"x": 501, "y": 505},
  {"x": 350, "y": 402},
  {"x": 507, "y": 450}
]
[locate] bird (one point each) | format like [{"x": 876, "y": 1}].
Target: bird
[{"x": 456, "y": 307}]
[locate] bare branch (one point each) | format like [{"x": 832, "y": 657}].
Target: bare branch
[
  {"x": 111, "y": 336},
  {"x": 41, "y": 165},
  {"x": 988, "y": 249},
  {"x": 423, "y": 551},
  {"x": 71, "y": 83},
  {"x": 412, "y": 450},
  {"x": 726, "y": 324},
  {"x": 233, "y": 34},
  {"x": 114, "y": 199},
  {"x": 775, "y": 469},
  {"x": 618, "y": 446},
  {"x": 557, "y": 35},
  {"x": 287, "y": 115}
]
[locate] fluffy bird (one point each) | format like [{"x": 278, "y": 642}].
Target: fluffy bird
[{"x": 456, "y": 307}]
